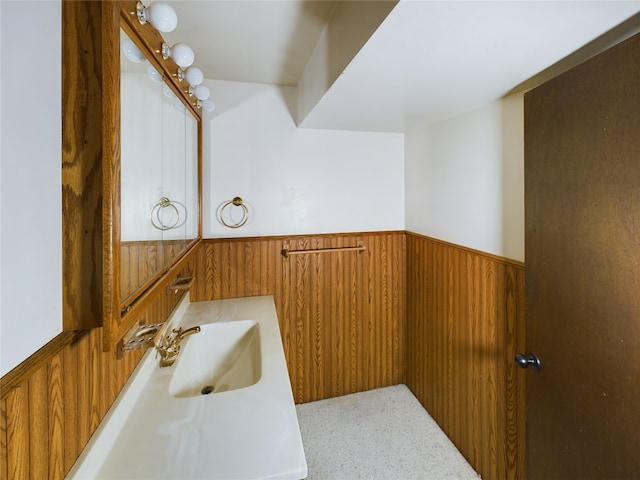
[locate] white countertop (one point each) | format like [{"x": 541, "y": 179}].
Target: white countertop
[{"x": 249, "y": 433}]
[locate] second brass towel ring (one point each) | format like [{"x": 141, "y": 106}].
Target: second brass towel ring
[
  {"x": 156, "y": 217},
  {"x": 236, "y": 202}
]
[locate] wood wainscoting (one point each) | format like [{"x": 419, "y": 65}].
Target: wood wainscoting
[
  {"x": 341, "y": 313},
  {"x": 465, "y": 322},
  {"x": 51, "y": 404},
  {"x": 441, "y": 318}
]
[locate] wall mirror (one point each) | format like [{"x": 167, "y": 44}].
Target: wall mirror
[
  {"x": 159, "y": 194},
  {"x": 159, "y": 173}
]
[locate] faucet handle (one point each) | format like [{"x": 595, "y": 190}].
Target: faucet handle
[
  {"x": 167, "y": 340},
  {"x": 178, "y": 331}
]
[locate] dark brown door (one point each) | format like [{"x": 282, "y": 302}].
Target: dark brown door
[{"x": 582, "y": 218}]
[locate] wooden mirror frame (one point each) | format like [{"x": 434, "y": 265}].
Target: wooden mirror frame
[{"x": 91, "y": 166}]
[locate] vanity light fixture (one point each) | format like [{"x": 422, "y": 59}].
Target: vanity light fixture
[
  {"x": 163, "y": 18},
  {"x": 180, "y": 53},
  {"x": 159, "y": 14}
]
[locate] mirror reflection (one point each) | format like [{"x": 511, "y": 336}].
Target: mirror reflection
[{"x": 159, "y": 169}]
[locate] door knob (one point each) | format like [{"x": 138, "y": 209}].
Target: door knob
[{"x": 531, "y": 360}]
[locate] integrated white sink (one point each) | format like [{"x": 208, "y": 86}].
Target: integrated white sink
[
  {"x": 162, "y": 426},
  {"x": 221, "y": 357}
]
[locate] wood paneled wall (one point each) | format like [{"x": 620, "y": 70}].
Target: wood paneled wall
[
  {"x": 465, "y": 322},
  {"x": 445, "y": 320},
  {"x": 341, "y": 313},
  {"x": 48, "y": 418},
  {"x": 51, "y": 404}
]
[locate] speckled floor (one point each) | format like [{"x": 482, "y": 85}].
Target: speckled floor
[{"x": 382, "y": 434}]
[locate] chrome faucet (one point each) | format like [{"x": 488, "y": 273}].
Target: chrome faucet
[{"x": 169, "y": 346}]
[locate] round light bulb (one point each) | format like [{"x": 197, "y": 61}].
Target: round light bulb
[
  {"x": 194, "y": 76},
  {"x": 153, "y": 74},
  {"x": 162, "y": 16},
  {"x": 182, "y": 55},
  {"x": 201, "y": 92},
  {"x": 208, "y": 105},
  {"x": 131, "y": 51}
]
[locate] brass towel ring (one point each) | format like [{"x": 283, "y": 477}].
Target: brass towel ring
[
  {"x": 155, "y": 213},
  {"x": 236, "y": 202}
]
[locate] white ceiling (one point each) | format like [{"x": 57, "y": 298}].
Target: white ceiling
[
  {"x": 427, "y": 61},
  {"x": 257, "y": 41}
]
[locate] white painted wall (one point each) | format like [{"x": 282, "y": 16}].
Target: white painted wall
[
  {"x": 295, "y": 181},
  {"x": 465, "y": 179},
  {"x": 30, "y": 179}
]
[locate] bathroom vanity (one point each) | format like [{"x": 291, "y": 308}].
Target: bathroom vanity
[{"x": 223, "y": 410}]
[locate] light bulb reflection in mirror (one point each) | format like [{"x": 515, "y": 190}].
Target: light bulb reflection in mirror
[
  {"x": 153, "y": 74},
  {"x": 132, "y": 52}
]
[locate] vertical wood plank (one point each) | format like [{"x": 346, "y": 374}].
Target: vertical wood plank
[
  {"x": 327, "y": 323},
  {"x": 370, "y": 342},
  {"x": 352, "y": 287},
  {"x": 56, "y": 417},
  {"x": 18, "y": 450},
  {"x": 38, "y": 424},
  {"x": 500, "y": 366},
  {"x": 302, "y": 316},
  {"x": 94, "y": 358},
  {"x": 83, "y": 400},
  {"x": 71, "y": 397},
  {"x": 108, "y": 381}
]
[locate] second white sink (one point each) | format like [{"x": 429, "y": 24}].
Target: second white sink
[{"x": 223, "y": 356}]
